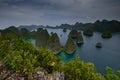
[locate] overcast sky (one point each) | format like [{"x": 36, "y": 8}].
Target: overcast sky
[{"x": 56, "y": 12}]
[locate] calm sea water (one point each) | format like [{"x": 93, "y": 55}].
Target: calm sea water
[{"x": 108, "y": 55}]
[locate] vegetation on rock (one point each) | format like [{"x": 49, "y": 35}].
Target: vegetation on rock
[
  {"x": 99, "y": 45},
  {"x": 53, "y": 43},
  {"x": 70, "y": 47},
  {"x": 24, "y": 59},
  {"x": 79, "y": 39},
  {"x": 106, "y": 34},
  {"x": 73, "y": 34},
  {"x": 11, "y": 29},
  {"x": 111, "y": 75},
  {"x": 88, "y": 32},
  {"x": 4, "y": 48},
  {"x": 41, "y": 37},
  {"x": 76, "y": 69}
]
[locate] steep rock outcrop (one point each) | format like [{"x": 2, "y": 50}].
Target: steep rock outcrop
[
  {"x": 88, "y": 32},
  {"x": 106, "y": 34},
  {"x": 41, "y": 37},
  {"x": 70, "y": 47},
  {"x": 99, "y": 45},
  {"x": 79, "y": 39},
  {"x": 53, "y": 43},
  {"x": 73, "y": 34}
]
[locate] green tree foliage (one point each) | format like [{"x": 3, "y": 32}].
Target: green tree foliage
[
  {"x": 49, "y": 61},
  {"x": 110, "y": 75},
  {"x": 9, "y": 33},
  {"x": 21, "y": 61},
  {"x": 79, "y": 70},
  {"x": 13, "y": 32},
  {"x": 10, "y": 36},
  {"x": 21, "y": 57},
  {"x": 1, "y": 35},
  {"x": 4, "y": 48},
  {"x": 21, "y": 44}
]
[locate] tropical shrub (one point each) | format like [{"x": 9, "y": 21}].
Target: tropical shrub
[{"x": 76, "y": 69}]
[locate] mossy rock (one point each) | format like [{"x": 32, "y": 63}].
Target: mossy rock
[
  {"x": 88, "y": 32},
  {"x": 73, "y": 34},
  {"x": 41, "y": 37},
  {"x": 79, "y": 39},
  {"x": 53, "y": 43},
  {"x": 70, "y": 47},
  {"x": 99, "y": 45},
  {"x": 106, "y": 34}
]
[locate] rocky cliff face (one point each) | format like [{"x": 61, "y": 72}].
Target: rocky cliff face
[
  {"x": 70, "y": 47},
  {"x": 73, "y": 34},
  {"x": 106, "y": 34},
  {"x": 99, "y": 45},
  {"x": 79, "y": 39},
  {"x": 53, "y": 43},
  {"x": 41, "y": 37},
  {"x": 88, "y": 32}
]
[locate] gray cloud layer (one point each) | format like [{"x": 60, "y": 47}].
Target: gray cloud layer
[{"x": 53, "y": 12}]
